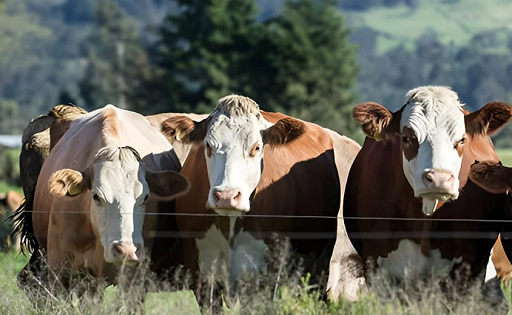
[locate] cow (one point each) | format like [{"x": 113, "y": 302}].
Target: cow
[
  {"x": 496, "y": 178},
  {"x": 9, "y": 202},
  {"x": 412, "y": 171},
  {"x": 39, "y": 137},
  {"x": 245, "y": 163},
  {"x": 93, "y": 189}
]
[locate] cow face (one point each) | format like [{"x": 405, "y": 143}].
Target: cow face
[
  {"x": 119, "y": 186},
  {"x": 233, "y": 136},
  {"x": 432, "y": 129}
]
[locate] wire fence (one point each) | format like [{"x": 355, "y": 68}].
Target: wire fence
[{"x": 311, "y": 235}]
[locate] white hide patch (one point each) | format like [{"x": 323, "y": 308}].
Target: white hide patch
[
  {"x": 490, "y": 271},
  {"x": 215, "y": 254},
  {"x": 408, "y": 260}
]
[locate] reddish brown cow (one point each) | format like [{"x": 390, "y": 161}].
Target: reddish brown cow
[
  {"x": 293, "y": 172},
  {"x": 410, "y": 168}
]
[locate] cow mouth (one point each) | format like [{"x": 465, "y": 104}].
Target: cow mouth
[
  {"x": 229, "y": 211},
  {"x": 441, "y": 196}
]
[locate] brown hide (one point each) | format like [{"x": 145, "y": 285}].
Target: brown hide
[
  {"x": 298, "y": 178},
  {"x": 377, "y": 187}
]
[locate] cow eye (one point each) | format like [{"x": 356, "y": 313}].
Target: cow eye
[
  {"x": 461, "y": 141},
  {"x": 406, "y": 139},
  {"x": 208, "y": 149},
  {"x": 96, "y": 199},
  {"x": 255, "y": 149}
]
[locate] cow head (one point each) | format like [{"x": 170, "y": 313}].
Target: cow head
[
  {"x": 433, "y": 128},
  {"x": 119, "y": 185},
  {"x": 234, "y": 136}
]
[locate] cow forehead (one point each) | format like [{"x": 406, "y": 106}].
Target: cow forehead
[
  {"x": 119, "y": 174},
  {"x": 225, "y": 128},
  {"x": 434, "y": 119}
]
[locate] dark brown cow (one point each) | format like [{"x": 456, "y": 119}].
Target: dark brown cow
[
  {"x": 418, "y": 163},
  {"x": 246, "y": 161}
]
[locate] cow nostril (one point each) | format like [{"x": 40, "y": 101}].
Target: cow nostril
[
  {"x": 427, "y": 177},
  {"x": 117, "y": 250},
  {"x": 237, "y": 196},
  {"x": 217, "y": 195}
]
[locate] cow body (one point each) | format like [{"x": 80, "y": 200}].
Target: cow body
[
  {"x": 298, "y": 177},
  {"x": 92, "y": 189},
  {"x": 381, "y": 185}
]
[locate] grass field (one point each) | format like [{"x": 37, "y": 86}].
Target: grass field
[
  {"x": 294, "y": 296},
  {"x": 505, "y": 156},
  {"x": 453, "y": 22}
]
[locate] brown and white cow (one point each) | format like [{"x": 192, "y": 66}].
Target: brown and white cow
[
  {"x": 92, "y": 190},
  {"x": 416, "y": 161},
  {"x": 248, "y": 162}
]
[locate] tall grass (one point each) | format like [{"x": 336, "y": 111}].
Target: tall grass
[{"x": 283, "y": 289}]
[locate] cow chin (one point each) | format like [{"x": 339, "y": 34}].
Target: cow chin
[{"x": 441, "y": 196}]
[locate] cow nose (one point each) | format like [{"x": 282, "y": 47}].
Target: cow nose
[
  {"x": 126, "y": 250},
  {"x": 440, "y": 179},
  {"x": 228, "y": 198}
]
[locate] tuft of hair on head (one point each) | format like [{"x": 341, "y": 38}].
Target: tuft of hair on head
[
  {"x": 124, "y": 154},
  {"x": 67, "y": 112},
  {"x": 237, "y": 105},
  {"x": 433, "y": 95}
]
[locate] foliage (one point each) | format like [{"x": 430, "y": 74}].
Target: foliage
[
  {"x": 116, "y": 61},
  {"x": 295, "y": 295},
  {"x": 313, "y": 67},
  {"x": 202, "y": 53},
  {"x": 9, "y": 166}
]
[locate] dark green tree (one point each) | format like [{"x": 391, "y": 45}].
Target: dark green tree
[
  {"x": 313, "y": 64},
  {"x": 116, "y": 60},
  {"x": 202, "y": 53}
]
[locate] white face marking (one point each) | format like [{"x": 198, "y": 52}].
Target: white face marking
[
  {"x": 436, "y": 118},
  {"x": 118, "y": 193},
  {"x": 215, "y": 254},
  {"x": 407, "y": 260},
  {"x": 232, "y": 171}
]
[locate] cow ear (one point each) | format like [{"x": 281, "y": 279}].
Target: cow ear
[
  {"x": 488, "y": 119},
  {"x": 69, "y": 183},
  {"x": 184, "y": 129},
  {"x": 491, "y": 176},
  {"x": 376, "y": 120},
  {"x": 283, "y": 131},
  {"x": 167, "y": 185}
]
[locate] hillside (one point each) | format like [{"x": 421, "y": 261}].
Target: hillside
[{"x": 455, "y": 23}]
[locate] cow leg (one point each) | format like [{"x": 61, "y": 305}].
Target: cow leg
[{"x": 346, "y": 269}]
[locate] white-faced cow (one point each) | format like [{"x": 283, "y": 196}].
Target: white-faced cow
[
  {"x": 415, "y": 162},
  {"x": 246, "y": 162},
  {"x": 92, "y": 191}
]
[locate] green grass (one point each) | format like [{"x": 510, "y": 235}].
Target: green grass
[
  {"x": 5, "y": 187},
  {"x": 505, "y": 156},
  {"x": 294, "y": 296},
  {"x": 456, "y": 22}
]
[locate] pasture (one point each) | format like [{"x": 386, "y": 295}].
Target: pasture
[
  {"x": 454, "y": 22},
  {"x": 290, "y": 294}
]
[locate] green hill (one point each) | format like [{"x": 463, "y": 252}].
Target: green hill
[{"x": 454, "y": 22}]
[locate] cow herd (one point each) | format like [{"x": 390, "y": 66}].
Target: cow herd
[{"x": 425, "y": 195}]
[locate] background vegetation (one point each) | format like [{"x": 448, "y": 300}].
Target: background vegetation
[{"x": 314, "y": 59}]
